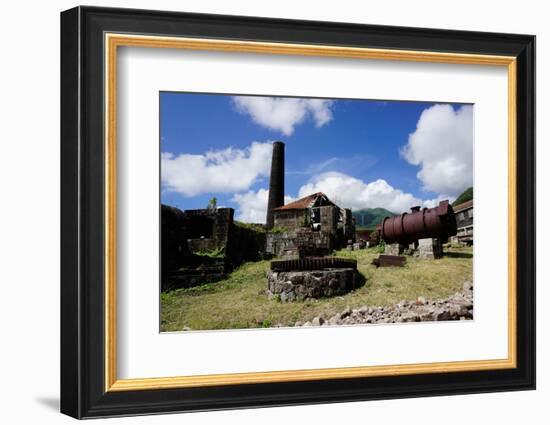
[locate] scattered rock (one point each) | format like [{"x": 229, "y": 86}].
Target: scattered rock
[
  {"x": 410, "y": 317},
  {"x": 441, "y": 315},
  {"x": 468, "y": 286},
  {"x": 317, "y": 321},
  {"x": 363, "y": 310},
  {"x": 421, "y": 301},
  {"x": 335, "y": 320},
  {"x": 346, "y": 312},
  {"x": 456, "y": 307}
]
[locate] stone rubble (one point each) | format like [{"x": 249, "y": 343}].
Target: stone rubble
[{"x": 457, "y": 307}]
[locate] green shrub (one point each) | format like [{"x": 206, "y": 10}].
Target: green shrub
[
  {"x": 212, "y": 253},
  {"x": 278, "y": 229}
]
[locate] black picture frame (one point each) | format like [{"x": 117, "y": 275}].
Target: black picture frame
[{"x": 83, "y": 392}]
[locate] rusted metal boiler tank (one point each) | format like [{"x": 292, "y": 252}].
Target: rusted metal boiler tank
[{"x": 438, "y": 222}]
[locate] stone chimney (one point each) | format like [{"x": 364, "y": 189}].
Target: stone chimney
[{"x": 276, "y": 182}]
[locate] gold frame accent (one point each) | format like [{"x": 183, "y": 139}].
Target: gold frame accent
[{"x": 113, "y": 41}]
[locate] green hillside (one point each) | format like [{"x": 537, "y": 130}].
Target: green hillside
[
  {"x": 465, "y": 196},
  {"x": 370, "y": 217}
]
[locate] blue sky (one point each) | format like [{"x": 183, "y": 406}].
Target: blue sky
[{"x": 363, "y": 153}]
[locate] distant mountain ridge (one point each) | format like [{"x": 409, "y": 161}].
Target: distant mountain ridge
[
  {"x": 370, "y": 217},
  {"x": 465, "y": 196}
]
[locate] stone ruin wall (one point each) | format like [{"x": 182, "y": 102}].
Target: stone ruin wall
[
  {"x": 289, "y": 219},
  {"x": 329, "y": 219},
  {"x": 316, "y": 242},
  {"x": 305, "y": 239},
  {"x": 187, "y": 234},
  {"x": 222, "y": 220}
]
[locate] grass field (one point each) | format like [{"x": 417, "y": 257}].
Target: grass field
[{"x": 240, "y": 300}]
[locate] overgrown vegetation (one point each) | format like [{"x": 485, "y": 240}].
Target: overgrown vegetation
[
  {"x": 212, "y": 253},
  {"x": 278, "y": 229},
  {"x": 257, "y": 227},
  {"x": 240, "y": 300}
]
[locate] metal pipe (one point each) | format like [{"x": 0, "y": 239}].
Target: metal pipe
[{"x": 438, "y": 222}]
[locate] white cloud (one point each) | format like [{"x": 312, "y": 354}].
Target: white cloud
[
  {"x": 344, "y": 190},
  {"x": 343, "y": 164},
  {"x": 442, "y": 146},
  {"x": 282, "y": 113},
  {"x": 253, "y": 205},
  {"x": 350, "y": 192},
  {"x": 222, "y": 171}
]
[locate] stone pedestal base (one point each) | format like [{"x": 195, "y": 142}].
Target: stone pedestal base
[
  {"x": 394, "y": 249},
  {"x": 302, "y": 285},
  {"x": 430, "y": 249}
]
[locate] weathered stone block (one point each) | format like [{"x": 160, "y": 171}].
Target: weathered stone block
[
  {"x": 394, "y": 249},
  {"x": 430, "y": 248}
]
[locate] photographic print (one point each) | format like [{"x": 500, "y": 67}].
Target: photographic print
[
  {"x": 291, "y": 212},
  {"x": 319, "y": 196}
]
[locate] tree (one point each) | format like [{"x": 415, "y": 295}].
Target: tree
[{"x": 212, "y": 204}]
